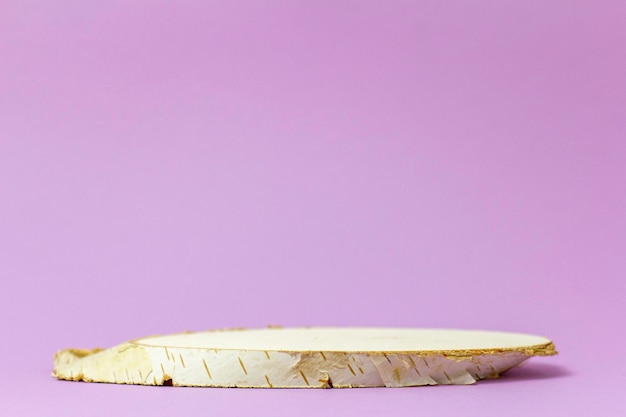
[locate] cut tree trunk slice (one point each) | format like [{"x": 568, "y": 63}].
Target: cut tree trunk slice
[{"x": 305, "y": 358}]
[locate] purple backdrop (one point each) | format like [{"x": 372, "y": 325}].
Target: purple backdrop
[{"x": 170, "y": 166}]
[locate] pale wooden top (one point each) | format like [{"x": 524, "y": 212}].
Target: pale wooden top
[{"x": 350, "y": 340}]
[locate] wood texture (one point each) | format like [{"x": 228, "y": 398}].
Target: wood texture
[{"x": 305, "y": 358}]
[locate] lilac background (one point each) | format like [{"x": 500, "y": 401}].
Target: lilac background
[{"x": 169, "y": 166}]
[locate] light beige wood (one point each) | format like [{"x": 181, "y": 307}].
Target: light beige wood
[{"x": 305, "y": 358}]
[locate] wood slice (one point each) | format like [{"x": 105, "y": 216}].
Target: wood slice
[{"x": 305, "y": 358}]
